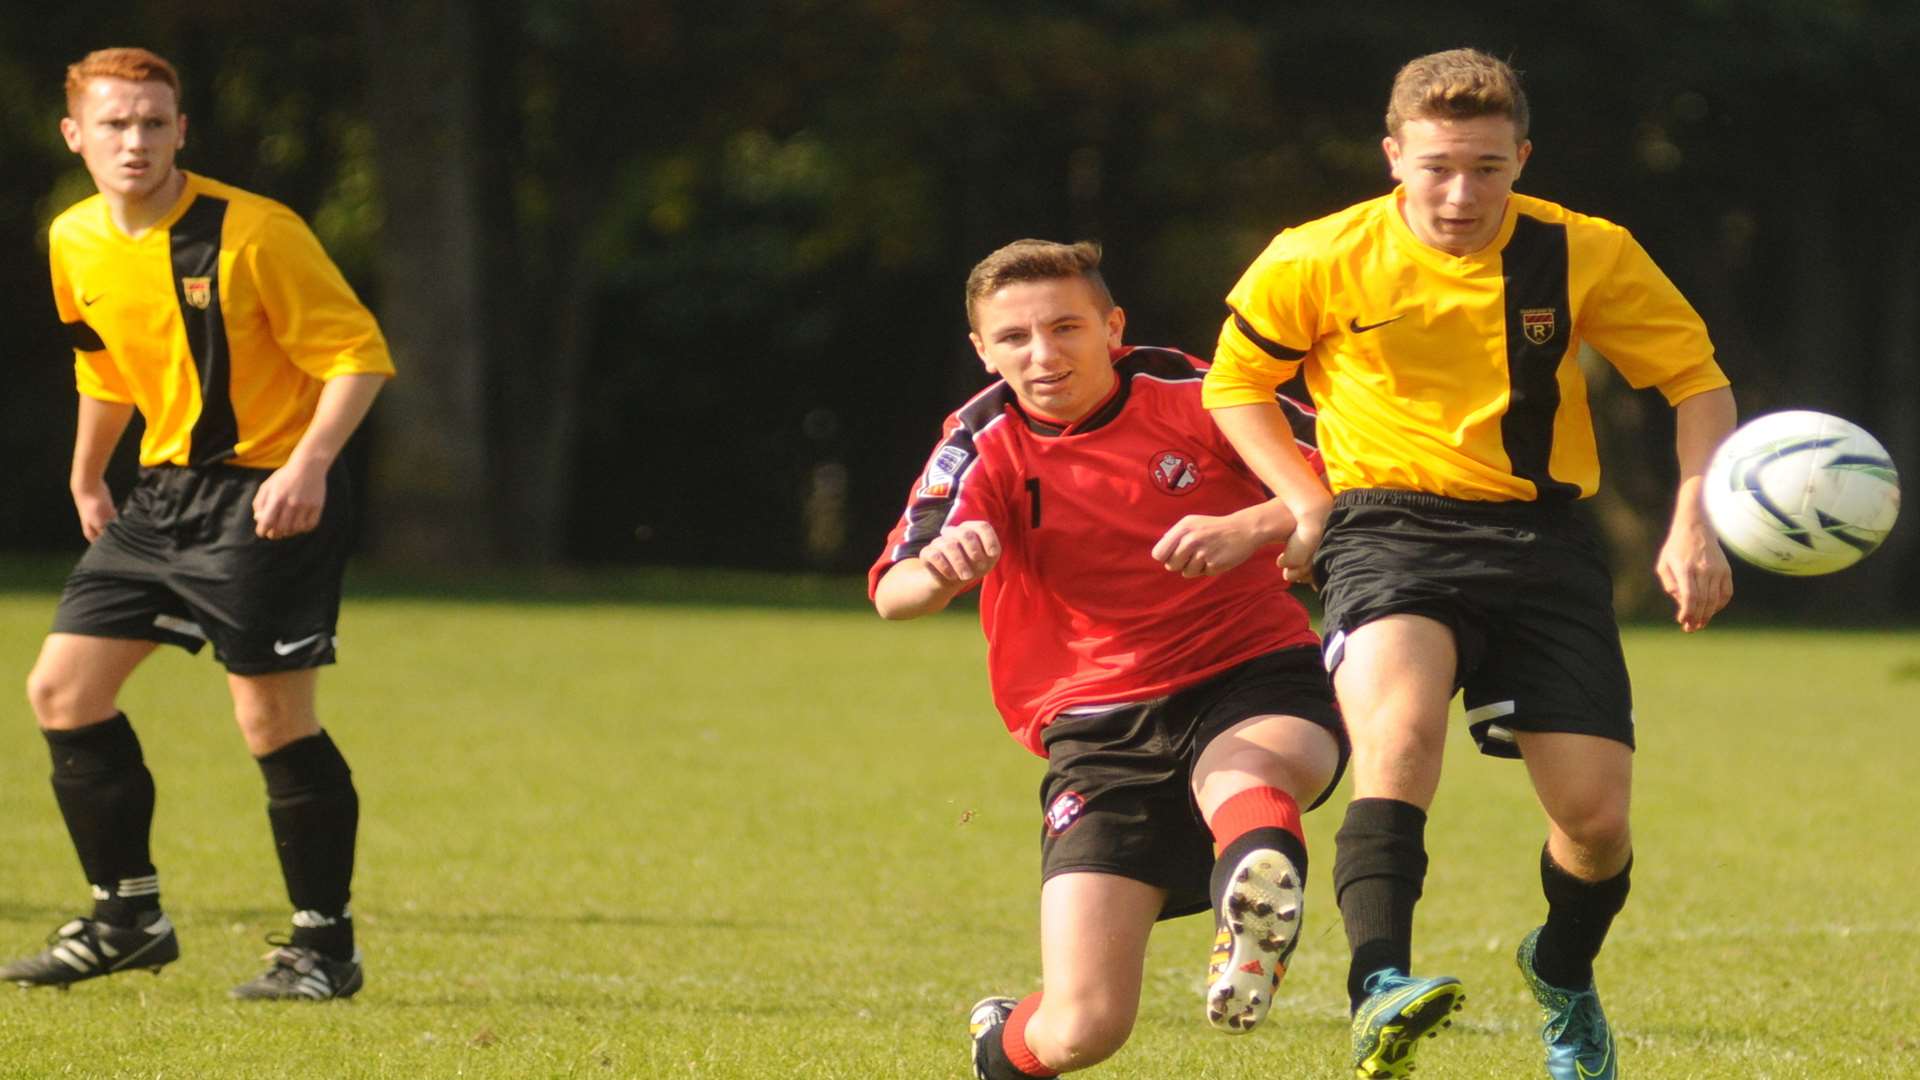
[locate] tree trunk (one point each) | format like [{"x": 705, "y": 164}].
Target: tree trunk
[{"x": 430, "y": 485}]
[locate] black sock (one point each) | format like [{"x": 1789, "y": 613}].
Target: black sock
[
  {"x": 1271, "y": 836},
  {"x": 1379, "y": 867},
  {"x": 105, "y": 792},
  {"x": 314, "y": 811},
  {"x": 1579, "y": 913}
]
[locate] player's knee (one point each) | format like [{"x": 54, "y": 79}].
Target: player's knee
[
  {"x": 1601, "y": 831},
  {"x": 1086, "y": 1033},
  {"x": 56, "y": 700}
]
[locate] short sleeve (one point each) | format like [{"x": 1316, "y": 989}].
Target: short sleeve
[
  {"x": 1271, "y": 314},
  {"x": 1639, "y": 321},
  {"x": 316, "y": 318}
]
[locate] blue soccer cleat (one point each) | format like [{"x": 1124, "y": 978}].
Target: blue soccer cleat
[
  {"x": 1398, "y": 1010},
  {"x": 1579, "y": 1041}
]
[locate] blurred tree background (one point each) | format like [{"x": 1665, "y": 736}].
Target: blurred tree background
[{"x": 679, "y": 283}]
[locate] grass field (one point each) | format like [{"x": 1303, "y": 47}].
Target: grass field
[{"x": 652, "y": 828}]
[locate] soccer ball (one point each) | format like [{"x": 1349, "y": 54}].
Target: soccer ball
[{"x": 1801, "y": 493}]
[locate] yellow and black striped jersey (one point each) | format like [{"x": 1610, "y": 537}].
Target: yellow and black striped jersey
[
  {"x": 219, "y": 324},
  {"x": 1457, "y": 375}
]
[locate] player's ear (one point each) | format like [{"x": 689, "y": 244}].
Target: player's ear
[
  {"x": 1116, "y": 326},
  {"x": 1521, "y": 155},
  {"x": 70, "y": 131},
  {"x": 980, "y": 350},
  {"x": 180, "y": 141},
  {"x": 1391, "y": 148}
]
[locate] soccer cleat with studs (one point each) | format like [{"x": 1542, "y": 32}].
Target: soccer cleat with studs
[
  {"x": 86, "y": 949},
  {"x": 1578, "y": 1039},
  {"x": 985, "y": 1020},
  {"x": 301, "y": 974},
  {"x": 1258, "y": 922},
  {"x": 1398, "y": 1010}
]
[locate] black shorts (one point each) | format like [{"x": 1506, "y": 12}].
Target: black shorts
[
  {"x": 1524, "y": 587},
  {"x": 181, "y": 566},
  {"x": 1117, "y": 797}
]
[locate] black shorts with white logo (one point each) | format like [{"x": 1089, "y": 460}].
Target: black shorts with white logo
[
  {"x": 1117, "y": 795},
  {"x": 1523, "y": 586},
  {"x": 181, "y": 566}
]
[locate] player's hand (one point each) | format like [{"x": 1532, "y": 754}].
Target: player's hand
[
  {"x": 1695, "y": 573},
  {"x": 962, "y": 553},
  {"x": 1296, "y": 562},
  {"x": 1198, "y": 546},
  {"x": 290, "y": 500},
  {"x": 95, "y": 505}
]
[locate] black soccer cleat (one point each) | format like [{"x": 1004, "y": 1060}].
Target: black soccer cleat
[
  {"x": 301, "y": 974},
  {"x": 86, "y": 949},
  {"x": 984, "y": 1022}
]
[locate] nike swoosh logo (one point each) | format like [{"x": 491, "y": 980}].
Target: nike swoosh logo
[
  {"x": 89, "y": 301},
  {"x": 1355, "y": 325},
  {"x": 288, "y": 648}
]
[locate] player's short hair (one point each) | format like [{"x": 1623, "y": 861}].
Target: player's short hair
[
  {"x": 1458, "y": 84},
  {"x": 130, "y": 63},
  {"x": 1036, "y": 260}
]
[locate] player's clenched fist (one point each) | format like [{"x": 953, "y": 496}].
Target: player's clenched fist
[
  {"x": 963, "y": 552},
  {"x": 1199, "y": 545}
]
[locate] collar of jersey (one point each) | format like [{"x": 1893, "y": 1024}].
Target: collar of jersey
[
  {"x": 1097, "y": 417},
  {"x": 188, "y": 192},
  {"x": 1433, "y": 256}
]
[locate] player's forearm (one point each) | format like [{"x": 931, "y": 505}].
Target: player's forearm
[
  {"x": 1265, "y": 442},
  {"x": 1700, "y": 424},
  {"x": 344, "y": 402},
  {"x": 910, "y": 589},
  {"x": 97, "y": 432},
  {"x": 1264, "y": 523}
]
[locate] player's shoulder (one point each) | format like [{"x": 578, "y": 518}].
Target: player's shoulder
[
  {"x": 983, "y": 410},
  {"x": 1159, "y": 364},
  {"x": 248, "y": 213},
  {"x": 1335, "y": 234},
  {"x": 86, "y": 217},
  {"x": 1578, "y": 225}
]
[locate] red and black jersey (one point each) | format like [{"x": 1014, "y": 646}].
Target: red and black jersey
[{"x": 1077, "y": 611}]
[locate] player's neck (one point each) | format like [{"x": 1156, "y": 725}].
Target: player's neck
[{"x": 135, "y": 216}]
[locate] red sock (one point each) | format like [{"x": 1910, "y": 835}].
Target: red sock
[
  {"x": 1255, "y": 808},
  {"x": 1013, "y": 1038}
]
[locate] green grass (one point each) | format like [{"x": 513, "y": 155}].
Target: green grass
[{"x": 649, "y": 829}]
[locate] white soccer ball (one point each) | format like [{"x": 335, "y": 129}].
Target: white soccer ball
[{"x": 1801, "y": 493}]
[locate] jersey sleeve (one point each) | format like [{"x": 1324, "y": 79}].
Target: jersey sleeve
[
  {"x": 952, "y": 488},
  {"x": 94, "y": 372},
  {"x": 316, "y": 318},
  {"x": 1637, "y": 319},
  {"x": 1270, "y": 325}
]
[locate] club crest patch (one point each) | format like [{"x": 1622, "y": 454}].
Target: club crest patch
[
  {"x": 1064, "y": 811},
  {"x": 1537, "y": 324},
  {"x": 942, "y": 472},
  {"x": 198, "y": 291},
  {"x": 1174, "y": 472}
]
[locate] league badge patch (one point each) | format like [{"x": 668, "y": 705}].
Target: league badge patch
[
  {"x": 1537, "y": 324},
  {"x": 1064, "y": 812},
  {"x": 942, "y": 471},
  {"x": 1174, "y": 472}
]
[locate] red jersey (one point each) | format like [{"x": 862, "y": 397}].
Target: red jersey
[{"x": 1077, "y": 611}]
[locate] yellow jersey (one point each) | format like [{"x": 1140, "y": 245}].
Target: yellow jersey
[
  {"x": 1457, "y": 375},
  {"x": 220, "y": 323}
]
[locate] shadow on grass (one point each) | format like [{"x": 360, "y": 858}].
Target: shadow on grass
[
  {"x": 427, "y": 922},
  {"x": 43, "y": 575}
]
